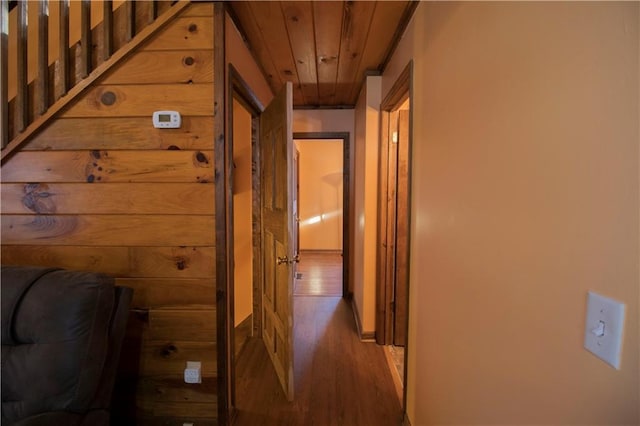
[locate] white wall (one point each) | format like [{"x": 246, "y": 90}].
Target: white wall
[
  {"x": 525, "y": 196},
  {"x": 320, "y": 194},
  {"x": 367, "y": 130}
]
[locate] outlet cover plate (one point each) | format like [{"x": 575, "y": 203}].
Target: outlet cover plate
[{"x": 603, "y": 328}]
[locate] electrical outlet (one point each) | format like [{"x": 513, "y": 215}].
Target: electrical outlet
[{"x": 192, "y": 372}]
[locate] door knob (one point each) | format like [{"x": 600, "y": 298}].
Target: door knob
[{"x": 286, "y": 259}]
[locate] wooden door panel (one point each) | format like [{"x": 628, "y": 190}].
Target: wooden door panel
[{"x": 276, "y": 146}]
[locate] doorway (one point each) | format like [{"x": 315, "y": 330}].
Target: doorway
[
  {"x": 317, "y": 214},
  {"x": 392, "y": 288}
]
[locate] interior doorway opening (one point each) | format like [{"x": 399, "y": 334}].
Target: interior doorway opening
[
  {"x": 324, "y": 215},
  {"x": 319, "y": 213},
  {"x": 394, "y": 217}
]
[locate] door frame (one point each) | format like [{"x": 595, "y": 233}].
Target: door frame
[
  {"x": 236, "y": 88},
  {"x": 399, "y": 92},
  {"x": 347, "y": 202}
]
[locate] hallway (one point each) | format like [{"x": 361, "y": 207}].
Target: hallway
[{"x": 338, "y": 379}]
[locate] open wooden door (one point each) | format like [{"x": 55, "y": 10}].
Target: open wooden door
[{"x": 276, "y": 156}]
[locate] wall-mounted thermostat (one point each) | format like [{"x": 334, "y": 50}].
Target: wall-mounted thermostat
[{"x": 167, "y": 120}]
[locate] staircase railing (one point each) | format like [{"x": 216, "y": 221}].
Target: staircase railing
[{"x": 33, "y": 91}]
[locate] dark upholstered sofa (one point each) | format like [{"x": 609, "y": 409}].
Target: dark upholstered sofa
[{"x": 61, "y": 337}]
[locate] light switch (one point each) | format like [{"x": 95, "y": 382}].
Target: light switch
[{"x": 603, "y": 330}]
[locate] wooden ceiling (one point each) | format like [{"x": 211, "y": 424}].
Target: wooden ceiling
[{"x": 324, "y": 47}]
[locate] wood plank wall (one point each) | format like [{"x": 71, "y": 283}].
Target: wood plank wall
[{"x": 100, "y": 189}]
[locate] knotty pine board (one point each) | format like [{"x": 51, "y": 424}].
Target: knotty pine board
[
  {"x": 149, "y": 263},
  {"x": 143, "y": 100},
  {"x": 185, "y": 324},
  {"x": 185, "y": 33},
  {"x": 122, "y": 133},
  {"x": 109, "y": 166},
  {"x": 165, "y": 292},
  {"x": 108, "y": 230},
  {"x": 166, "y": 67},
  {"x": 160, "y": 357},
  {"x": 107, "y": 198}
]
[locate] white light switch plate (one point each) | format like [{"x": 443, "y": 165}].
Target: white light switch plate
[{"x": 603, "y": 329}]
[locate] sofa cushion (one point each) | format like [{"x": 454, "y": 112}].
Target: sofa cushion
[{"x": 56, "y": 341}]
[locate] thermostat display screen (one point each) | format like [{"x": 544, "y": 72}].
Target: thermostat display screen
[{"x": 167, "y": 119}]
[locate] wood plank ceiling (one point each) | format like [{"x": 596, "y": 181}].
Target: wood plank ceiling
[{"x": 324, "y": 47}]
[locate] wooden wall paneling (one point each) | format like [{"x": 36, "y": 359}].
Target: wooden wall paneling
[
  {"x": 169, "y": 357},
  {"x": 124, "y": 262},
  {"x": 82, "y": 85},
  {"x": 109, "y": 166},
  {"x": 298, "y": 17},
  {"x": 270, "y": 20},
  {"x": 171, "y": 388},
  {"x": 386, "y": 17},
  {"x": 136, "y": 101},
  {"x": 328, "y": 19},
  {"x": 199, "y": 9},
  {"x": 107, "y": 198},
  {"x": 244, "y": 13},
  {"x": 192, "y": 67},
  {"x": 191, "y": 410},
  {"x": 122, "y": 133},
  {"x": 164, "y": 292},
  {"x": 107, "y": 230},
  {"x": 356, "y": 15},
  {"x": 149, "y": 222},
  {"x": 189, "y": 323},
  {"x": 190, "y": 33}
]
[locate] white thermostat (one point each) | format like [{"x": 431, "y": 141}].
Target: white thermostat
[{"x": 167, "y": 120}]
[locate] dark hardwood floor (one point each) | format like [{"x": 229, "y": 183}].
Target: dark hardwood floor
[
  {"x": 339, "y": 380},
  {"x": 318, "y": 274}
]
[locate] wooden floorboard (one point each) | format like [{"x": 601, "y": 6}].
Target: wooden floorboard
[
  {"x": 339, "y": 380},
  {"x": 318, "y": 274}
]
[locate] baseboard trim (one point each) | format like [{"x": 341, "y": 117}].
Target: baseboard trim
[
  {"x": 397, "y": 381},
  {"x": 365, "y": 336},
  {"x": 320, "y": 251},
  {"x": 405, "y": 420}
]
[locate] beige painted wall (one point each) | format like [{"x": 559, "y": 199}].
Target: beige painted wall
[
  {"x": 242, "y": 220},
  {"x": 323, "y": 120},
  {"x": 367, "y": 129},
  {"x": 238, "y": 55},
  {"x": 525, "y": 196},
  {"x": 320, "y": 194}
]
